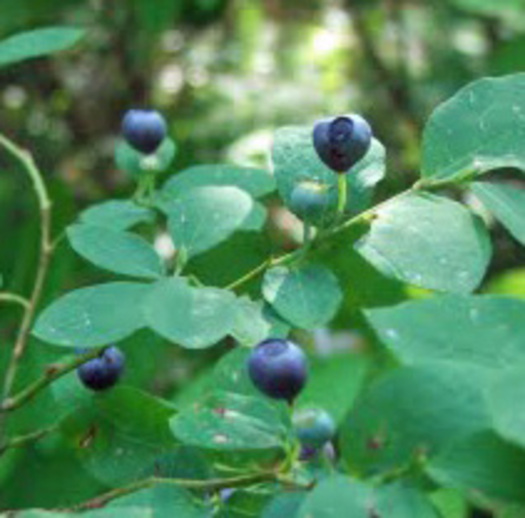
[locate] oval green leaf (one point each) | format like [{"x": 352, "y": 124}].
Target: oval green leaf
[
  {"x": 194, "y": 318},
  {"x": 117, "y": 214},
  {"x": 94, "y": 316},
  {"x": 306, "y": 296},
  {"x": 201, "y": 218},
  {"x": 116, "y": 251},
  {"x": 479, "y": 129},
  {"x": 37, "y": 43},
  {"x": 428, "y": 241}
]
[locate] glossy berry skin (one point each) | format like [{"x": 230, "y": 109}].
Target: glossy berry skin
[
  {"x": 144, "y": 130},
  {"x": 341, "y": 142},
  {"x": 104, "y": 371},
  {"x": 310, "y": 201},
  {"x": 314, "y": 427},
  {"x": 278, "y": 368}
]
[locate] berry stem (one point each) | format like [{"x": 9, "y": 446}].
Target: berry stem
[
  {"x": 14, "y": 299},
  {"x": 342, "y": 193}
]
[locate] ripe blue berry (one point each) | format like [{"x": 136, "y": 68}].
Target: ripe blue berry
[
  {"x": 313, "y": 427},
  {"x": 278, "y": 368},
  {"x": 310, "y": 201},
  {"x": 144, "y": 130},
  {"x": 341, "y": 142},
  {"x": 102, "y": 372}
]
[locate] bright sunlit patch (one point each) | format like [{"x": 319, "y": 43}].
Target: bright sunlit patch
[{"x": 324, "y": 42}]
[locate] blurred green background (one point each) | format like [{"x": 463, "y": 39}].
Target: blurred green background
[{"x": 226, "y": 73}]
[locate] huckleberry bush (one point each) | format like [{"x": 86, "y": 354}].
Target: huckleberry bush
[{"x": 427, "y": 413}]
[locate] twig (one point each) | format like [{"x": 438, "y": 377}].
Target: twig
[
  {"x": 14, "y": 298},
  {"x": 44, "y": 202},
  {"x": 207, "y": 485},
  {"x": 22, "y": 440},
  {"x": 52, "y": 373}
]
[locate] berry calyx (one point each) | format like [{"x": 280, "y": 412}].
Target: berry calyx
[
  {"x": 342, "y": 141},
  {"x": 144, "y": 130},
  {"x": 314, "y": 427},
  {"x": 104, "y": 371},
  {"x": 310, "y": 201},
  {"x": 278, "y": 368}
]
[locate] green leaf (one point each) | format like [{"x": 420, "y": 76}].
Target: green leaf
[
  {"x": 119, "y": 434},
  {"x": 93, "y": 316},
  {"x": 409, "y": 412},
  {"x": 227, "y": 421},
  {"x": 506, "y": 403},
  {"x": 485, "y": 331},
  {"x": 335, "y": 497},
  {"x": 191, "y": 317},
  {"x": 428, "y": 241},
  {"x": 307, "y": 296},
  {"x": 116, "y": 251},
  {"x": 256, "y": 182},
  {"x": 295, "y": 160},
  {"x": 200, "y": 218},
  {"x": 161, "y": 502},
  {"x": 334, "y": 383},
  {"x": 137, "y": 164},
  {"x": 284, "y": 504},
  {"x": 117, "y": 214},
  {"x": 401, "y": 500},
  {"x": 36, "y": 43},
  {"x": 506, "y": 203},
  {"x": 131, "y": 512},
  {"x": 479, "y": 129},
  {"x": 483, "y": 464}
]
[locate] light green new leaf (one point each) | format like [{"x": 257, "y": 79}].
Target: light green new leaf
[
  {"x": 295, "y": 160},
  {"x": 428, "y": 241},
  {"x": 200, "y": 218},
  {"x": 506, "y": 203},
  {"x": 256, "y": 182},
  {"x": 117, "y": 214},
  {"x": 479, "y": 129},
  {"x": 191, "y": 317},
  {"x": 228, "y": 421},
  {"x": 485, "y": 331},
  {"x": 116, "y": 251},
  {"x": 409, "y": 412},
  {"x": 306, "y": 296},
  {"x": 485, "y": 464},
  {"x": 94, "y": 316},
  {"x": 37, "y": 43}
]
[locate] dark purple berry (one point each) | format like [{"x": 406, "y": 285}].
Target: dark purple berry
[
  {"x": 278, "y": 368},
  {"x": 342, "y": 141},
  {"x": 104, "y": 371},
  {"x": 144, "y": 130}
]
